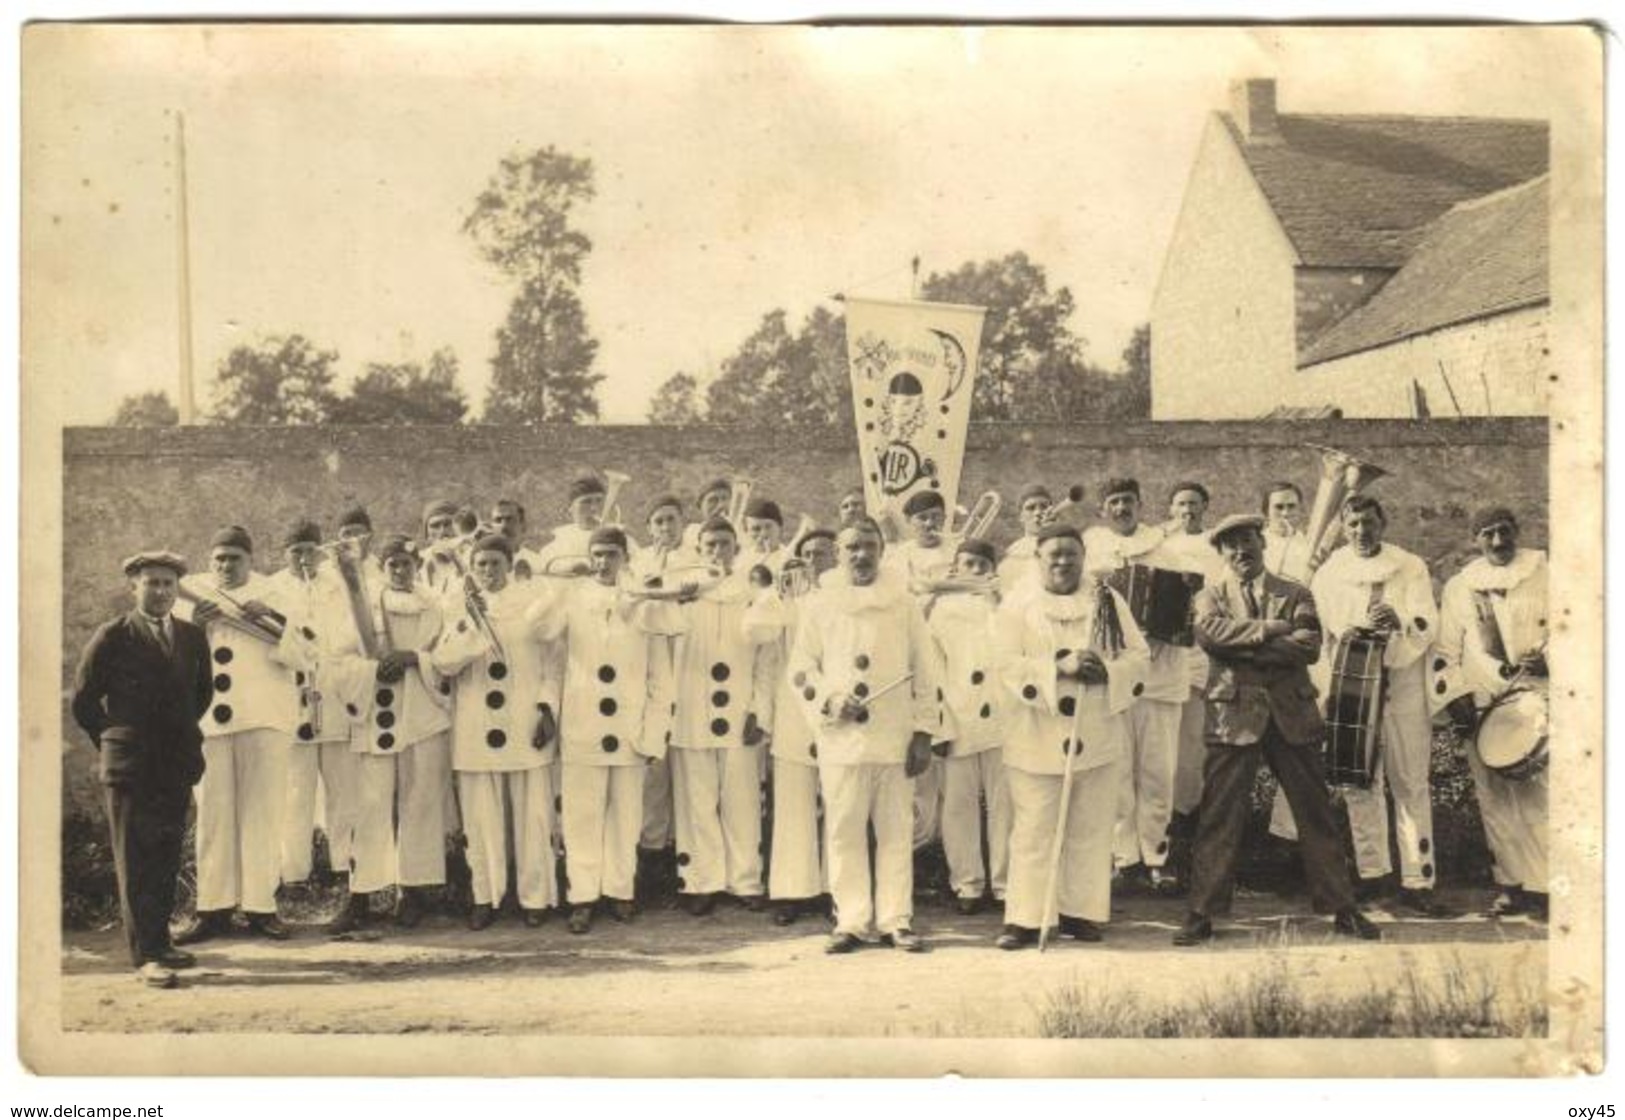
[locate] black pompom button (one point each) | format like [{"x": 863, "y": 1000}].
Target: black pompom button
[
  {"x": 682, "y": 859},
  {"x": 606, "y": 673},
  {"x": 497, "y": 670},
  {"x": 610, "y": 744},
  {"x": 386, "y": 719},
  {"x": 861, "y": 661},
  {"x": 860, "y": 690},
  {"x": 222, "y": 682},
  {"x": 222, "y": 713},
  {"x": 1139, "y": 688},
  {"x": 496, "y": 738},
  {"x": 720, "y": 672},
  {"x": 607, "y": 706},
  {"x": 1069, "y": 705},
  {"x": 986, "y": 712},
  {"x": 385, "y": 697},
  {"x": 719, "y": 698},
  {"x": 306, "y": 732},
  {"x": 495, "y": 699},
  {"x": 386, "y": 741},
  {"x": 719, "y": 727},
  {"x": 299, "y": 678},
  {"x": 1029, "y": 692},
  {"x": 863, "y": 716},
  {"x": 977, "y": 677},
  {"x": 223, "y": 655}
]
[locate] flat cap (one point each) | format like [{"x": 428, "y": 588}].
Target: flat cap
[
  {"x": 1232, "y": 523},
  {"x": 155, "y": 558}
]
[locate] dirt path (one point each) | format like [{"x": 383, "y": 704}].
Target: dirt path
[{"x": 734, "y": 973}]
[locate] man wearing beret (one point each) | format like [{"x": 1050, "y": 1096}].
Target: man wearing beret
[
  {"x": 712, "y": 502},
  {"x": 861, "y": 633},
  {"x": 923, "y": 560},
  {"x": 796, "y": 875},
  {"x": 241, "y": 799},
  {"x": 568, "y": 547},
  {"x": 142, "y": 684},
  {"x": 508, "y": 518},
  {"x": 1145, "y": 803},
  {"x": 724, "y": 706},
  {"x": 400, "y": 734},
  {"x": 1492, "y": 637},
  {"x": 969, "y": 748},
  {"x": 609, "y": 641},
  {"x": 443, "y": 565},
  {"x": 764, "y": 528},
  {"x": 1019, "y": 568},
  {"x": 1070, "y": 661},
  {"x": 504, "y": 737},
  {"x": 664, "y": 563},
  {"x": 1371, "y": 584},
  {"x": 1187, "y": 547},
  {"x": 1262, "y": 633},
  {"x": 329, "y": 693}
]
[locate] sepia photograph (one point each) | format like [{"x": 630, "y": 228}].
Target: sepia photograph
[{"x": 811, "y": 550}]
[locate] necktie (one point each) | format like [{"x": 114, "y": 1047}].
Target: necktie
[
  {"x": 1252, "y": 599},
  {"x": 163, "y": 635}
]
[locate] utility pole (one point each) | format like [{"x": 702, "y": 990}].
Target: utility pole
[{"x": 183, "y": 252}]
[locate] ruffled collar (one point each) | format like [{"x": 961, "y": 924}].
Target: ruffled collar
[
  {"x": 1481, "y": 575},
  {"x": 734, "y": 588},
  {"x": 1063, "y": 608},
  {"x": 405, "y": 602},
  {"x": 1138, "y": 543},
  {"x": 1351, "y": 567},
  {"x": 838, "y": 592}
]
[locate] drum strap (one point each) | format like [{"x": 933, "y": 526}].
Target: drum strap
[{"x": 1489, "y": 627}]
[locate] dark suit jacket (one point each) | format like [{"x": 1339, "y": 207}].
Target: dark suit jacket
[
  {"x": 1253, "y": 681},
  {"x": 141, "y": 706}
]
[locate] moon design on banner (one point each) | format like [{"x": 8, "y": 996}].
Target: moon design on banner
[{"x": 953, "y": 360}]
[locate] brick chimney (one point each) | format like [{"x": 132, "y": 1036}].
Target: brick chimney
[{"x": 1252, "y": 103}]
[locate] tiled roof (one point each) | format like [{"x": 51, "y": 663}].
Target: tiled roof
[
  {"x": 1479, "y": 258},
  {"x": 1356, "y": 191}
]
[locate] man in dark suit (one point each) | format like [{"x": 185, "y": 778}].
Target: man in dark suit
[
  {"x": 1262, "y": 634},
  {"x": 142, "y": 684}
]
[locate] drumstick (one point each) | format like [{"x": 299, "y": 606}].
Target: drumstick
[
  {"x": 885, "y": 688},
  {"x": 1052, "y": 882}
]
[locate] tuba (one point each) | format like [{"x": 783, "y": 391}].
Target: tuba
[{"x": 1341, "y": 477}]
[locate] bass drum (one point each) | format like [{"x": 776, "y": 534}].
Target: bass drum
[{"x": 1512, "y": 734}]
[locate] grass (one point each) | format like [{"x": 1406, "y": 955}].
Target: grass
[{"x": 1270, "y": 1002}]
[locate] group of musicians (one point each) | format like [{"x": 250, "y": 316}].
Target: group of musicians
[{"x": 787, "y": 716}]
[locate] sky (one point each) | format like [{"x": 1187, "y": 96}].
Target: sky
[{"x": 738, "y": 170}]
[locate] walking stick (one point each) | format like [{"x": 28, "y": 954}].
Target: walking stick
[{"x": 1053, "y": 882}]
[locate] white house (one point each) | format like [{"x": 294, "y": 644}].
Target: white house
[{"x": 1373, "y": 266}]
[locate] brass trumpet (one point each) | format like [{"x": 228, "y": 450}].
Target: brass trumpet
[
  {"x": 1073, "y": 500},
  {"x": 474, "y": 603},
  {"x": 654, "y": 587},
  {"x": 980, "y": 518}
]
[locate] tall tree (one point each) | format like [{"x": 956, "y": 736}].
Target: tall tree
[
  {"x": 1132, "y": 397},
  {"x": 146, "y": 410},
  {"x": 521, "y": 224},
  {"x": 677, "y": 401},
  {"x": 405, "y": 393},
  {"x": 1026, "y": 327},
  {"x": 283, "y": 380},
  {"x": 780, "y": 378}
]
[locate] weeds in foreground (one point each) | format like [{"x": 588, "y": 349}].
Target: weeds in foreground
[{"x": 1460, "y": 1002}]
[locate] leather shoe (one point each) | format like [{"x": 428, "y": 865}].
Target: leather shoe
[
  {"x": 1423, "y": 903},
  {"x": 1351, "y": 923},
  {"x": 481, "y": 916},
  {"x": 349, "y": 919},
  {"x": 622, "y": 909},
  {"x": 410, "y": 912},
  {"x": 1081, "y": 929},
  {"x": 581, "y": 919},
  {"x": 905, "y": 939},
  {"x": 173, "y": 958},
  {"x": 1164, "y": 883},
  {"x": 1016, "y": 937},
  {"x": 1196, "y": 931},
  {"x": 207, "y": 925},
  {"x": 785, "y": 913},
  {"x": 699, "y": 905},
  {"x": 534, "y": 918},
  {"x": 268, "y": 926},
  {"x": 1540, "y": 905},
  {"x": 155, "y": 975},
  {"x": 968, "y": 906},
  {"x": 842, "y": 943},
  {"x": 754, "y": 903}
]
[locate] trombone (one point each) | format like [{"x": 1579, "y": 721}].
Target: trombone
[
  {"x": 474, "y": 603},
  {"x": 654, "y": 587},
  {"x": 267, "y": 628}
]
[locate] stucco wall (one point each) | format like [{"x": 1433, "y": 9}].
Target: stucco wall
[
  {"x": 1223, "y": 320},
  {"x": 1509, "y": 352}
]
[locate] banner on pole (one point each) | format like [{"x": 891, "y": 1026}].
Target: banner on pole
[{"x": 913, "y": 371}]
